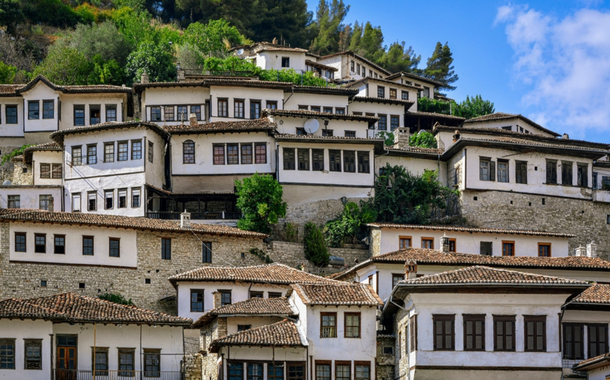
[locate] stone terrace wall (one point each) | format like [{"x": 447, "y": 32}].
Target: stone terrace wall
[{"x": 585, "y": 219}]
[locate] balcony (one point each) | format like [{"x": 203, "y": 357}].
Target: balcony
[
  {"x": 70, "y": 374},
  {"x": 174, "y": 215}
]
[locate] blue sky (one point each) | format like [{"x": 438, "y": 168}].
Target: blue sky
[{"x": 548, "y": 60}]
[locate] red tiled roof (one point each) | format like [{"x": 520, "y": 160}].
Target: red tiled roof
[
  {"x": 470, "y": 229},
  {"x": 507, "y": 116},
  {"x": 268, "y": 274},
  {"x": 435, "y": 115},
  {"x": 46, "y": 147},
  {"x": 416, "y": 77},
  {"x": 592, "y": 363},
  {"x": 598, "y": 293},
  {"x": 371, "y": 99},
  {"x": 253, "y": 306},
  {"x": 319, "y": 115},
  {"x": 561, "y": 144},
  {"x": 59, "y": 135},
  {"x": 90, "y": 219},
  {"x": 337, "y": 294},
  {"x": 18, "y": 308},
  {"x": 249, "y": 125},
  {"x": 279, "y": 334},
  {"x": 313, "y": 138}
]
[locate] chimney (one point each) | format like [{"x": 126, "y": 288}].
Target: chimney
[
  {"x": 217, "y": 299},
  {"x": 181, "y": 75},
  {"x": 565, "y": 136},
  {"x": 581, "y": 251},
  {"x": 185, "y": 219},
  {"x": 592, "y": 250},
  {"x": 410, "y": 269},
  {"x": 144, "y": 78},
  {"x": 444, "y": 244},
  {"x": 401, "y": 138},
  {"x": 193, "y": 119},
  {"x": 456, "y": 135}
]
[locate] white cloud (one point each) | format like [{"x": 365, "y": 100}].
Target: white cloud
[{"x": 566, "y": 63}]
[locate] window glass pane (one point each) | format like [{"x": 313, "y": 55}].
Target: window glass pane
[
  {"x": 123, "y": 151},
  {"x": 95, "y": 114},
  {"x": 33, "y": 110},
  {"x": 48, "y": 109},
  {"x": 111, "y": 112},
  {"x": 136, "y": 149},
  {"x": 79, "y": 115}
]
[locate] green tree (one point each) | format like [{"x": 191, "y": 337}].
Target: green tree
[
  {"x": 259, "y": 198},
  {"x": 328, "y": 25},
  {"x": 369, "y": 44},
  {"x": 397, "y": 59},
  {"x": 102, "y": 39},
  {"x": 315, "y": 245},
  {"x": 434, "y": 105},
  {"x": 213, "y": 39},
  {"x": 155, "y": 60},
  {"x": 440, "y": 67},
  {"x": 286, "y": 20},
  {"x": 106, "y": 72},
  {"x": 473, "y": 107},
  {"x": 50, "y": 12},
  {"x": 65, "y": 65},
  {"x": 423, "y": 139},
  {"x": 11, "y": 14},
  {"x": 349, "y": 226},
  {"x": 240, "y": 13},
  {"x": 7, "y": 73}
]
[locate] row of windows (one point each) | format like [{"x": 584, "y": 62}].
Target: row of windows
[
  {"x": 326, "y": 132},
  {"x": 119, "y": 149},
  {"x": 343, "y": 370},
  {"x": 59, "y": 244},
  {"x": 32, "y": 359},
  {"x": 239, "y": 370},
  {"x": 109, "y": 199},
  {"x": 53, "y": 171},
  {"x": 197, "y": 295},
  {"x": 48, "y": 112},
  {"x": 126, "y": 362},
  {"x": 229, "y": 153},
  {"x": 45, "y": 202},
  {"x": 48, "y": 109},
  {"x": 351, "y": 324},
  {"x": 488, "y": 172},
  {"x": 382, "y": 124},
  {"x": 508, "y": 247},
  {"x": 95, "y": 113},
  {"x": 578, "y": 337},
  {"x": 346, "y": 160},
  {"x": 404, "y": 95},
  {"x": 355, "y": 68},
  {"x": 10, "y": 114},
  {"x": 174, "y": 113},
  {"x": 239, "y": 108},
  {"x": 325, "y": 109}
]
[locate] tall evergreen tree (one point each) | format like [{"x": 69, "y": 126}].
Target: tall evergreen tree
[
  {"x": 286, "y": 20},
  {"x": 440, "y": 67},
  {"x": 369, "y": 43},
  {"x": 328, "y": 26},
  {"x": 397, "y": 58}
]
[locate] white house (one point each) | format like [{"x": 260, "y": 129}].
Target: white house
[
  {"x": 510, "y": 122},
  {"x": 426, "y": 86},
  {"x": 384, "y": 89},
  {"x": 351, "y": 66},
  {"x": 270, "y": 56}
]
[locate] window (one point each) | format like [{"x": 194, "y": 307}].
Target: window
[
  {"x": 444, "y": 336},
  {"x": 521, "y": 171},
  {"x": 40, "y": 243},
  {"x": 427, "y": 242},
  {"x": 14, "y": 201},
  {"x": 535, "y": 332},
  {"x": 225, "y": 297},
  {"x": 255, "y": 371},
  {"x": 508, "y": 248},
  {"x": 91, "y": 201},
  {"x": 135, "y": 198},
  {"x": 573, "y": 339},
  {"x": 246, "y": 154},
  {"x": 95, "y": 114},
  {"x": 152, "y": 363},
  {"x": 122, "y": 195},
  {"x": 232, "y": 154},
  {"x": 328, "y": 325},
  {"x": 20, "y": 242},
  {"x": 352, "y": 66},
  {"x": 487, "y": 169},
  {"x": 285, "y": 61},
  {"x": 427, "y": 92},
  {"x": 396, "y": 278},
  {"x": 168, "y": 112},
  {"x": 301, "y": 132},
  {"x": 7, "y": 353},
  {"x": 296, "y": 370},
  {"x": 166, "y": 249},
  {"x": 260, "y": 152},
  {"x": 288, "y": 156},
  {"x": 393, "y": 93},
  {"x": 303, "y": 159},
  {"x": 323, "y": 370},
  {"x": 59, "y": 244},
  {"x": 504, "y": 332},
  {"x": 340, "y": 110},
  {"x": 544, "y": 249},
  {"x": 123, "y": 150},
  {"x": 206, "y": 248},
  {"x": 155, "y": 113},
  {"x": 182, "y": 113},
  {"x": 486, "y": 248},
  {"x": 77, "y": 156},
  {"x": 275, "y": 372},
  {"x": 342, "y": 370},
  {"x": 582, "y": 175},
  {"x": 219, "y": 154},
  {"x": 136, "y": 149},
  {"x": 380, "y": 92},
  {"x": 48, "y": 109},
  {"x": 364, "y": 165},
  {"x": 315, "y": 108},
  {"x": 188, "y": 152},
  {"x": 328, "y": 109},
  {"x": 334, "y": 160},
  {"x": 236, "y": 371},
  {"x": 238, "y": 106},
  {"x": 317, "y": 159},
  {"x": 109, "y": 152},
  {"x": 33, "y": 353},
  {"x": 502, "y": 170},
  {"x": 33, "y": 110},
  {"x": 108, "y": 199},
  {"x": 100, "y": 361},
  {"x": 412, "y": 346},
  {"x": 303, "y": 107},
  {"x": 350, "y": 133},
  {"x": 349, "y": 161},
  {"x": 88, "y": 245},
  {"x": 404, "y": 95},
  {"x": 92, "y": 154},
  {"x": 597, "y": 339},
  {"x": 274, "y": 294},
  {"x": 196, "y": 300},
  {"x": 76, "y": 202},
  {"x": 474, "y": 332},
  {"x": 197, "y": 111},
  {"x": 327, "y": 132},
  {"x": 223, "y": 108},
  {"x": 111, "y": 112},
  {"x": 394, "y": 122},
  {"x": 45, "y": 170},
  {"x": 272, "y": 105},
  {"x": 255, "y": 109},
  {"x": 452, "y": 245},
  {"x": 151, "y": 150},
  {"x": 79, "y": 115},
  {"x": 404, "y": 242},
  {"x": 11, "y": 114},
  {"x": 256, "y": 294},
  {"x": 362, "y": 370},
  {"x": 382, "y": 124},
  {"x": 352, "y": 325},
  {"x": 126, "y": 362},
  {"x": 114, "y": 247},
  {"x": 566, "y": 173}
]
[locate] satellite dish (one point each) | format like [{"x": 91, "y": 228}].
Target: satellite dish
[
  {"x": 240, "y": 51},
  {"x": 311, "y": 126},
  {"x": 7, "y": 183}
]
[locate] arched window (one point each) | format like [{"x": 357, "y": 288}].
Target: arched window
[{"x": 188, "y": 152}]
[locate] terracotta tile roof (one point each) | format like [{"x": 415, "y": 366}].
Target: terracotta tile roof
[
  {"x": 592, "y": 363},
  {"x": 488, "y": 276},
  {"x": 320, "y": 115},
  {"x": 267, "y": 274},
  {"x": 280, "y": 334},
  {"x": 371, "y": 99},
  {"x": 352, "y": 140},
  {"x": 328, "y": 90},
  {"x": 598, "y": 293},
  {"x": 320, "y": 65},
  {"x": 413, "y": 76},
  {"x": 253, "y": 306},
  {"x": 471, "y": 229},
  {"x": 46, "y": 147},
  {"x": 249, "y": 125},
  {"x": 435, "y": 115},
  {"x": 9, "y": 89},
  {"x": 76, "y": 308},
  {"x": 58, "y": 136},
  {"x": 89, "y": 219},
  {"x": 559, "y": 144},
  {"x": 337, "y": 294},
  {"x": 507, "y": 116},
  {"x": 74, "y": 89}
]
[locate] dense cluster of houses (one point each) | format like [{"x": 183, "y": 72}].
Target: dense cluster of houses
[{"x": 131, "y": 191}]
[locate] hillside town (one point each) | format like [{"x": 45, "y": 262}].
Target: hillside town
[{"x": 134, "y": 192}]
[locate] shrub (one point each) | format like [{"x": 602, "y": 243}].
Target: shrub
[
  {"x": 17, "y": 152},
  {"x": 259, "y": 198},
  {"x": 315, "y": 245},
  {"x": 261, "y": 255},
  {"x": 349, "y": 226},
  {"x": 116, "y": 298},
  {"x": 423, "y": 139}
]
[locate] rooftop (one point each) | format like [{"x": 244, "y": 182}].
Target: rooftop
[
  {"x": 251, "y": 307},
  {"x": 250, "y": 125},
  {"x": 17, "y": 89},
  {"x": 371, "y": 99},
  {"x": 319, "y": 115},
  {"x": 593, "y": 363},
  {"x": 280, "y": 334},
  {"x": 349, "y": 52},
  {"x": 46, "y": 147},
  {"x": 596, "y": 294},
  {"x": 507, "y": 116},
  {"x": 471, "y": 229},
  {"x": 337, "y": 294},
  {"x": 59, "y": 136},
  {"x": 414, "y": 76}
]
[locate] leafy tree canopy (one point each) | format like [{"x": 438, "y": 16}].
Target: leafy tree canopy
[
  {"x": 328, "y": 25},
  {"x": 349, "y": 226},
  {"x": 65, "y": 65},
  {"x": 155, "y": 60},
  {"x": 473, "y": 107},
  {"x": 259, "y": 198},
  {"x": 11, "y": 14},
  {"x": 423, "y": 139},
  {"x": 214, "y": 38},
  {"x": 7, "y": 73},
  {"x": 116, "y": 298},
  {"x": 102, "y": 39},
  {"x": 314, "y": 243}
]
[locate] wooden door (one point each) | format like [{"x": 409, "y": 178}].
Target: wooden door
[{"x": 66, "y": 363}]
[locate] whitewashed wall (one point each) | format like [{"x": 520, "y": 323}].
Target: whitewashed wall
[
  {"x": 174, "y": 96},
  {"x": 68, "y": 101},
  {"x": 286, "y": 124},
  {"x": 41, "y": 92},
  {"x": 29, "y": 196},
  {"x": 294, "y": 100},
  {"x": 46, "y": 157},
  {"x": 247, "y": 94},
  {"x": 268, "y": 60},
  {"x": 27, "y": 329},
  {"x": 11, "y": 130}
]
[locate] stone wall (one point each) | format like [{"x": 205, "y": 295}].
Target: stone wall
[
  {"x": 384, "y": 364},
  {"x": 22, "y": 173},
  {"x": 497, "y": 209},
  {"x": 318, "y": 212}
]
